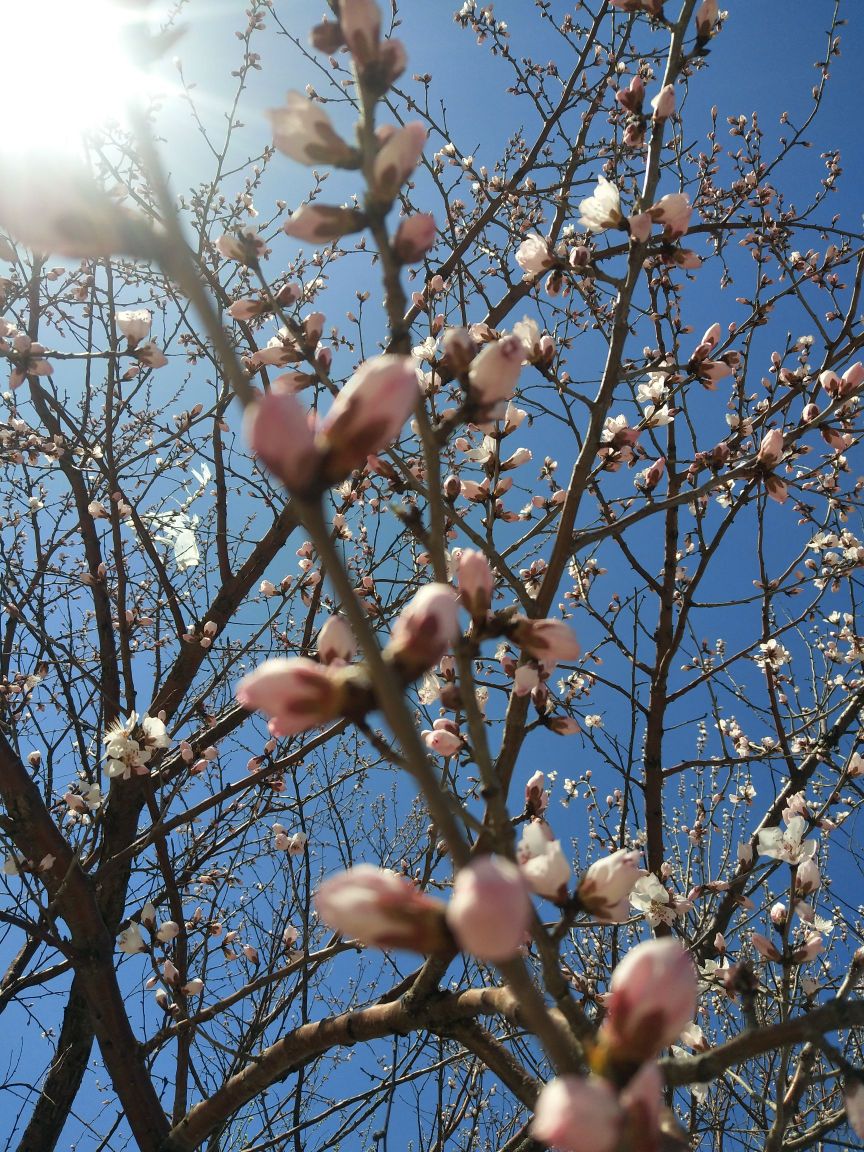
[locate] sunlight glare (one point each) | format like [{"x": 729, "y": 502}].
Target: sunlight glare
[{"x": 66, "y": 71}]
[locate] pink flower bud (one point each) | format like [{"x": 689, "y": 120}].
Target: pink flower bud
[
  {"x": 490, "y": 908},
  {"x": 809, "y": 412},
  {"x": 564, "y": 726},
  {"x": 536, "y": 799},
  {"x": 297, "y": 694},
  {"x": 533, "y": 256},
  {"x": 549, "y": 641},
  {"x": 303, "y": 131},
  {"x": 771, "y": 449},
  {"x": 664, "y": 103},
  {"x": 812, "y": 946},
  {"x": 360, "y": 21},
  {"x": 167, "y": 931},
  {"x": 706, "y": 17},
  {"x": 493, "y": 375},
  {"x": 604, "y": 891},
  {"x": 414, "y": 237},
  {"x": 652, "y": 996},
  {"x": 476, "y": 583},
  {"x": 193, "y": 987},
  {"x": 853, "y": 378},
  {"x": 397, "y": 159},
  {"x": 368, "y": 414},
  {"x": 673, "y": 211},
  {"x": 381, "y": 909},
  {"x": 807, "y": 878},
  {"x": 442, "y": 741},
  {"x": 631, "y": 98},
  {"x": 336, "y": 642},
  {"x": 425, "y": 630},
  {"x": 577, "y": 1115},
  {"x": 321, "y": 223},
  {"x": 278, "y": 431},
  {"x": 639, "y": 226},
  {"x": 542, "y": 862}
]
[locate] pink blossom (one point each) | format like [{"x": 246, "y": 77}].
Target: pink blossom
[
  {"x": 542, "y": 861},
  {"x": 550, "y": 641},
  {"x": 664, "y": 102},
  {"x": 493, "y": 375},
  {"x": 303, "y": 131},
  {"x": 812, "y": 946},
  {"x": 652, "y": 996},
  {"x": 397, "y": 159},
  {"x": 248, "y": 309},
  {"x": 381, "y": 909},
  {"x": 706, "y": 17},
  {"x": 807, "y": 878},
  {"x": 604, "y": 890},
  {"x": 425, "y": 630},
  {"x": 476, "y": 583},
  {"x": 536, "y": 799},
  {"x": 368, "y": 414},
  {"x": 297, "y": 694},
  {"x": 673, "y": 211},
  {"x": 336, "y": 644},
  {"x": 766, "y": 949},
  {"x": 360, "y": 21},
  {"x": 578, "y": 1115},
  {"x": 639, "y": 226},
  {"x": 414, "y": 237},
  {"x": 631, "y": 98},
  {"x": 490, "y": 909},
  {"x": 278, "y": 431},
  {"x": 771, "y": 449},
  {"x": 321, "y": 223},
  {"x": 533, "y": 256},
  {"x": 441, "y": 739},
  {"x": 134, "y": 325},
  {"x": 642, "y": 1100},
  {"x": 525, "y": 679}
]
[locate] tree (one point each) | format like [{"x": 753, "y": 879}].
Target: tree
[{"x": 460, "y": 748}]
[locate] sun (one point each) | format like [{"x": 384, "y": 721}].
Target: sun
[{"x": 68, "y": 69}]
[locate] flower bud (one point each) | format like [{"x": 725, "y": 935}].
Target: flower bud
[
  {"x": 360, "y": 21},
  {"x": 578, "y": 1115},
  {"x": 664, "y": 103},
  {"x": 303, "y": 131},
  {"x": 771, "y": 449},
  {"x": 493, "y": 375},
  {"x": 536, "y": 799},
  {"x": 424, "y": 631},
  {"x": 533, "y": 256},
  {"x": 414, "y": 237},
  {"x": 652, "y": 996},
  {"x": 278, "y": 431},
  {"x": 604, "y": 891},
  {"x": 490, "y": 908},
  {"x": 368, "y": 414},
  {"x": 297, "y": 694},
  {"x": 382, "y": 910},
  {"x": 321, "y": 223},
  {"x": 549, "y": 641},
  {"x": 397, "y": 159},
  {"x": 476, "y": 583},
  {"x": 673, "y": 211},
  {"x": 543, "y": 863},
  {"x": 336, "y": 643}
]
